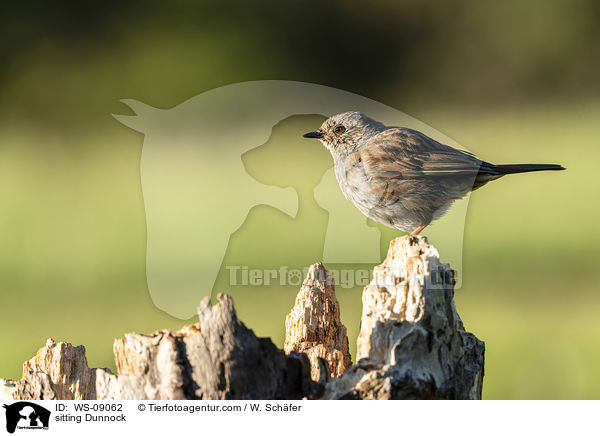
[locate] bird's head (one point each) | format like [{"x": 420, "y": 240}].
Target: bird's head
[{"x": 344, "y": 133}]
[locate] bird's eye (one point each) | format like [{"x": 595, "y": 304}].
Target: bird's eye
[{"x": 339, "y": 129}]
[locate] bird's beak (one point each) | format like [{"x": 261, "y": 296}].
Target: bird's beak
[{"x": 315, "y": 134}]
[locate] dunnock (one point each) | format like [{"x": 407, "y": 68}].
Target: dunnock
[{"x": 401, "y": 177}]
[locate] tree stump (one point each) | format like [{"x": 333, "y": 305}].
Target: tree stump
[
  {"x": 217, "y": 358},
  {"x": 412, "y": 345}
]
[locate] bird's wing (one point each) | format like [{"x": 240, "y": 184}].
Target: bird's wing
[{"x": 408, "y": 154}]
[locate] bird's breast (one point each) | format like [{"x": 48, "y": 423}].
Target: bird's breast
[{"x": 354, "y": 182}]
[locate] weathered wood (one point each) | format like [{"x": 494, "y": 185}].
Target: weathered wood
[
  {"x": 217, "y": 358},
  {"x": 314, "y": 326},
  {"x": 227, "y": 361},
  {"x": 56, "y": 372},
  {"x": 412, "y": 343}
]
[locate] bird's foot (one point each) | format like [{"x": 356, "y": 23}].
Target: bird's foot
[
  {"x": 415, "y": 233},
  {"x": 418, "y": 230}
]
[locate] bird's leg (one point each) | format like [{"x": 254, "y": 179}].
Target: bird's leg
[{"x": 418, "y": 230}]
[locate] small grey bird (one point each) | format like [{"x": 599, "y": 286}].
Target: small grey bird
[{"x": 401, "y": 177}]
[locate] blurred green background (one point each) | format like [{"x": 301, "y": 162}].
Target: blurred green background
[{"x": 512, "y": 81}]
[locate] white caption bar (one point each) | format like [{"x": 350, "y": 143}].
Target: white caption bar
[{"x": 285, "y": 418}]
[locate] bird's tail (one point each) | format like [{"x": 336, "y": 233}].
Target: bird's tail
[{"x": 526, "y": 168}]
